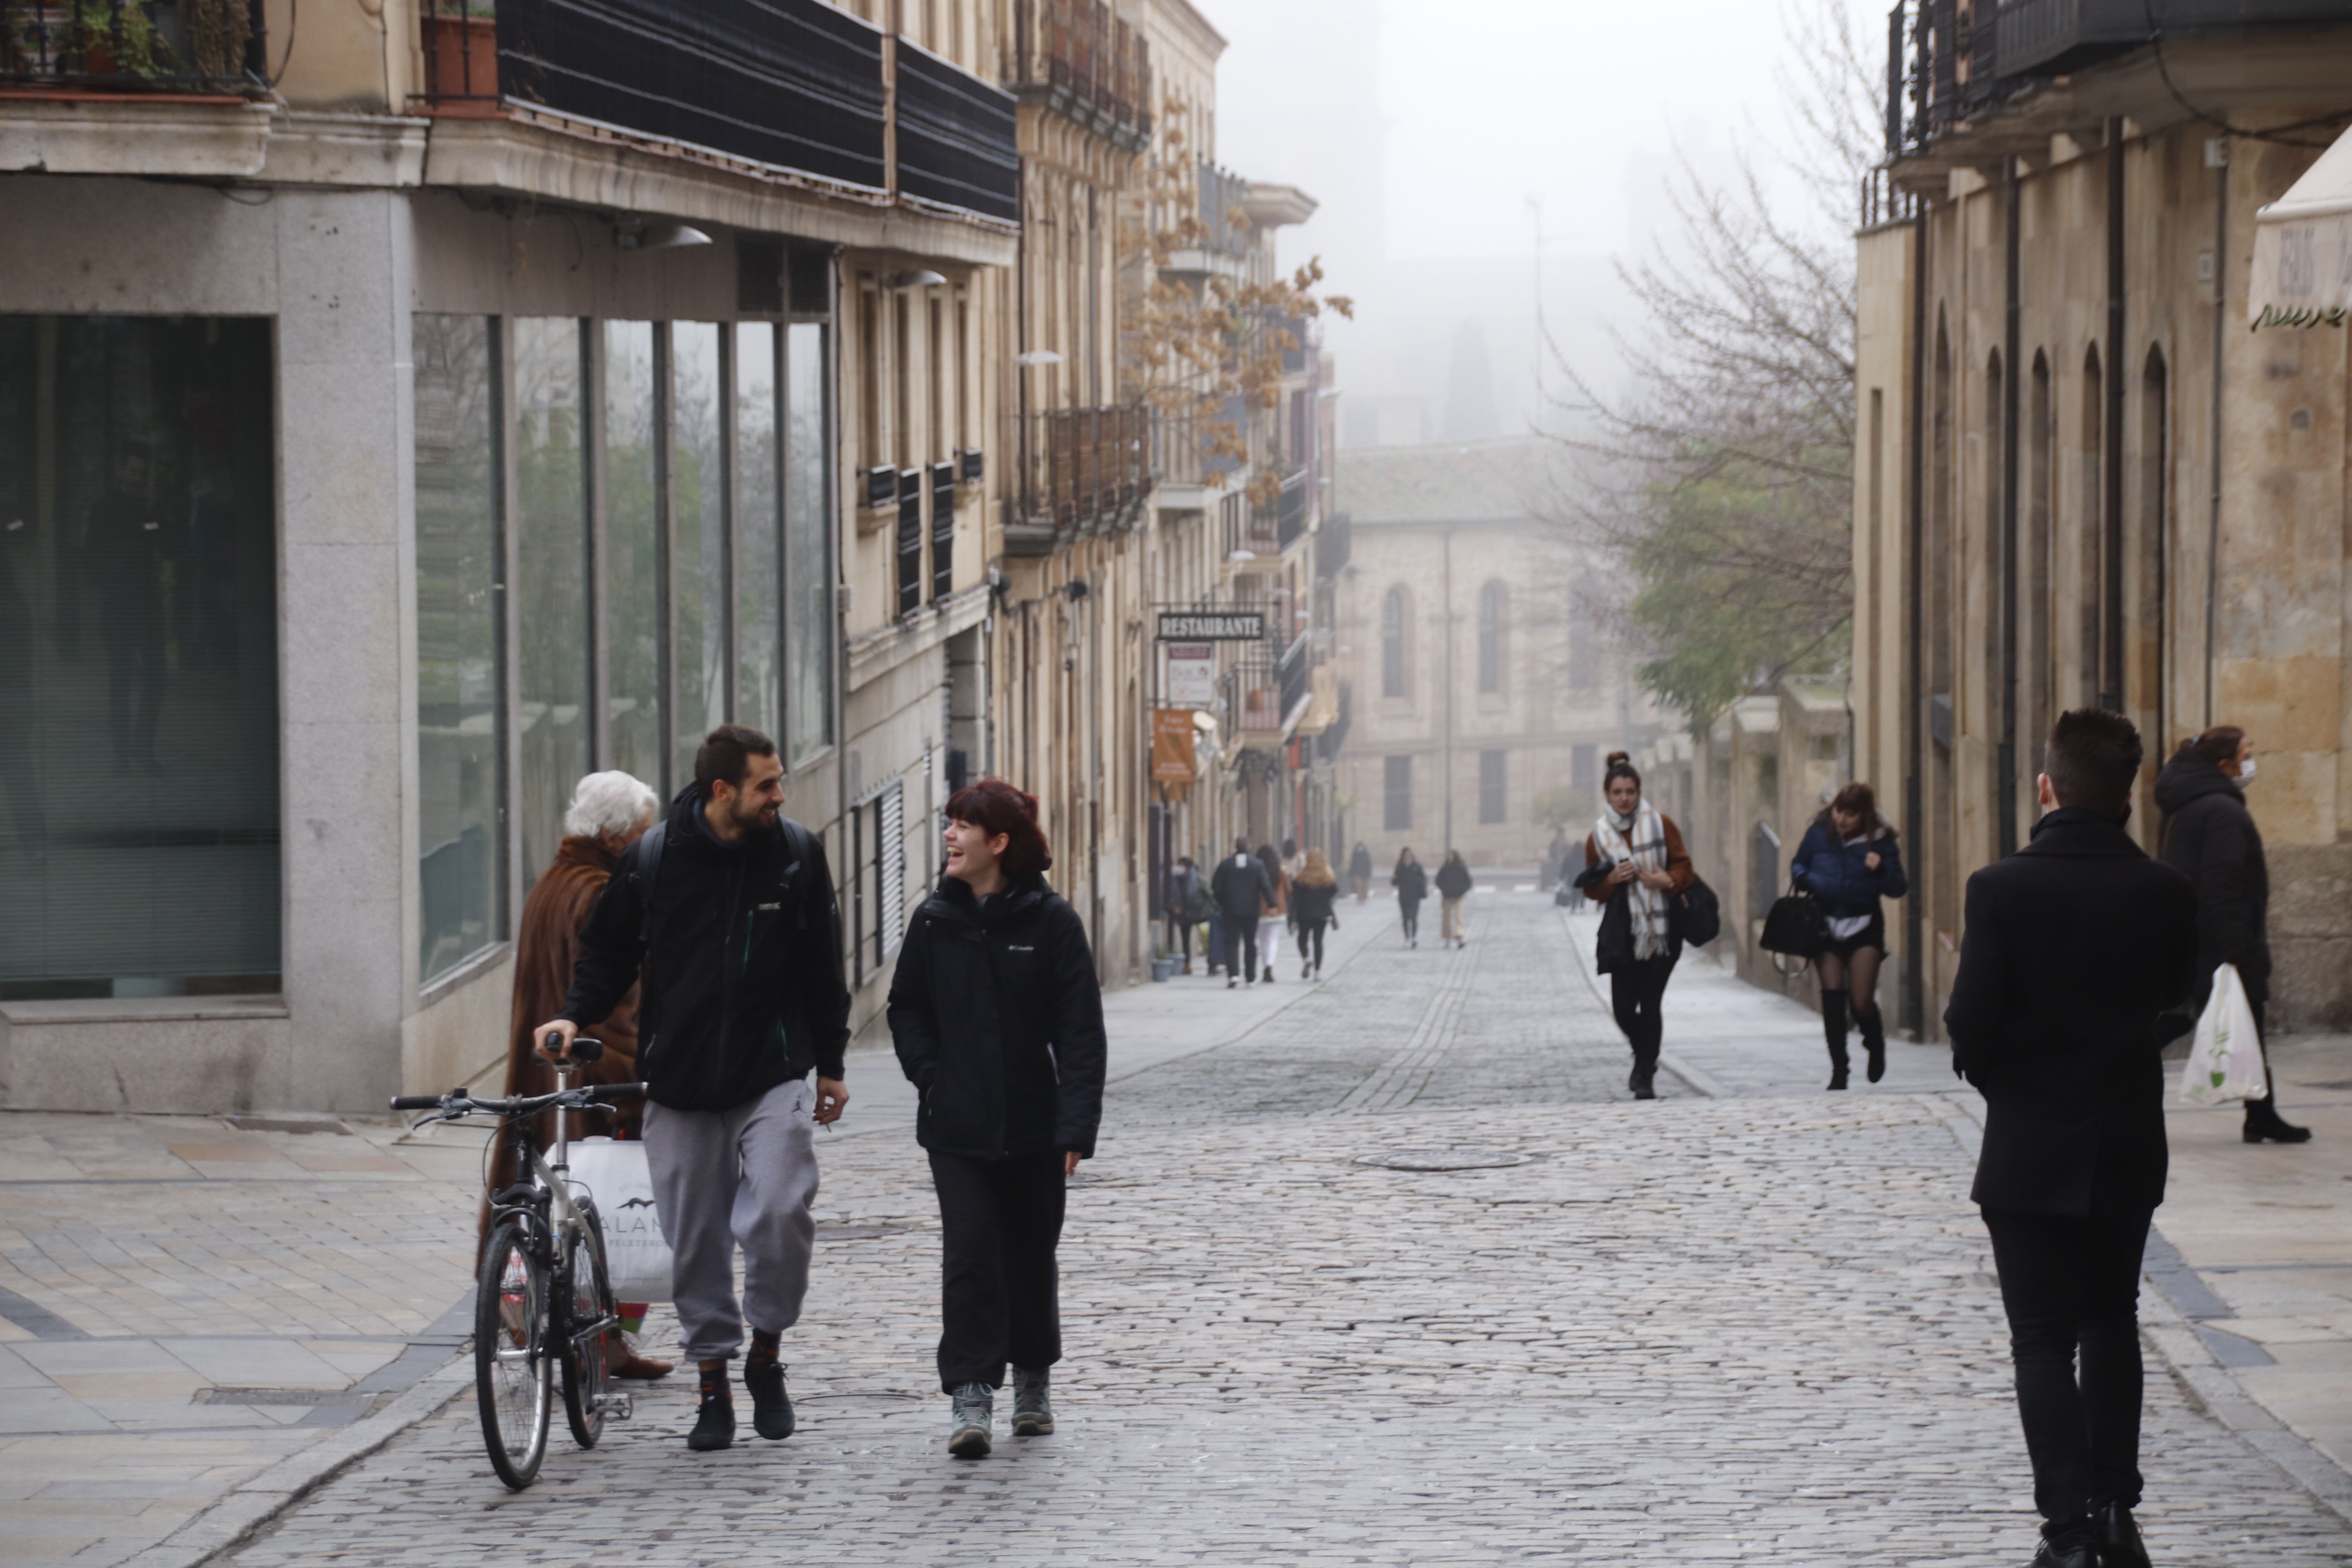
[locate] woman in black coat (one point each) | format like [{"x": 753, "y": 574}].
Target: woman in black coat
[
  {"x": 1411, "y": 884},
  {"x": 2208, "y": 836},
  {"x": 997, "y": 1020}
]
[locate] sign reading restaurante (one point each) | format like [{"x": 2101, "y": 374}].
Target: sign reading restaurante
[{"x": 1212, "y": 625}]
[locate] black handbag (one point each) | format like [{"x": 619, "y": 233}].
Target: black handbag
[
  {"x": 1796, "y": 926},
  {"x": 1693, "y": 914}
]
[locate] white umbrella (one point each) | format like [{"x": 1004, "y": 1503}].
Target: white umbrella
[{"x": 2303, "y": 248}]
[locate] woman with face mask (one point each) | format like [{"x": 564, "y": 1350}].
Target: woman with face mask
[
  {"x": 1634, "y": 863},
  {"x": 2208, "y": 836}
]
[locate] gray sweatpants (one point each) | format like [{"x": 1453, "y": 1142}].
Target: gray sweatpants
[{"x": 723, "y": 1179}]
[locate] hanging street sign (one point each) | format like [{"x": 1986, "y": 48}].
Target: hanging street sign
[{"x": 1192, "y": 674}]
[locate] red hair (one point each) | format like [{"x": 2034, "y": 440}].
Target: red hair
[{"x": 997, "y": 808}]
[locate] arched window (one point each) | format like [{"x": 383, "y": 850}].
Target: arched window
[
  {"x": 1393, "y": 644},
  {"x": 1490, "y": 637}
]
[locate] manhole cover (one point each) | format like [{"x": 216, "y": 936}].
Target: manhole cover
[{"x": 1442, "y": 1159}]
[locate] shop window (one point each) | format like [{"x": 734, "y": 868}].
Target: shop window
[
  {"x": 550, "y": 598},
  {"x": 697, "y": 560},
  {"x": 808, "y": 545},
  {"x": 460, "y": 643},
  {"x": 139, "y": 723},
  {"x": 630, "y": 557},
  {"x": 759, "y": 519}
]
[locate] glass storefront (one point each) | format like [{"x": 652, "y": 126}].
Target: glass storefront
[
  {"x": 759, "y": 562},
  {"x": 808, "y": 545},
  {"x": 552, "y": 691},
  {"x": 632, "y": 741},
  {"x": 699, "y": 539},
  {"x": 138, "y": 725}
]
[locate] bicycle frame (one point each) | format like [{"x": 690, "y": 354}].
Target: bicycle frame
[{"x": 551, "y": 1179}]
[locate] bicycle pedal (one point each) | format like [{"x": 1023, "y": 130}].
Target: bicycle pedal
[{"x": 617, "y": 1406}]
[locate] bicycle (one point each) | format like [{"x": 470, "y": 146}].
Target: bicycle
[{"x": 543, "y": 1299}]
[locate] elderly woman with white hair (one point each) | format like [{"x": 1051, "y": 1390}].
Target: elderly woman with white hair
[{"x": 607, "y": 813}]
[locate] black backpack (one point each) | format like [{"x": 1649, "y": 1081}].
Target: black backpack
[{"x": 797, "y": 844}]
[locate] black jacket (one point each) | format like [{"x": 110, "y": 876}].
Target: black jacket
[
  {"x": 1241, "y": 887},
  {"x": 998, "y": 1020},
  {"x": 2076, "y": 966},
  {"x": 1411, "y": 882},
  {"x": 742, "y": 982},
  {"x": 1311, "y": 905},
  {"x": 2208, "y": 837},
  {"x": 1454, "y": 879},
  {"x": 1360, "y": 864}
]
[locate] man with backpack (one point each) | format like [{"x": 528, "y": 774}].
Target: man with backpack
[{"x": 726, "y": 907}]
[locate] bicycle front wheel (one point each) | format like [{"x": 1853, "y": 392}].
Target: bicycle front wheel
[
  {"x": 585, "y": 1299},
  {"x": 513, "y": 1359}
]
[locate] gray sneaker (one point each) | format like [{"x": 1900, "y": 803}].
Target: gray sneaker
[
  {"x": 1033, "y": 1412},
  {"x": 968, "y": 1432}
]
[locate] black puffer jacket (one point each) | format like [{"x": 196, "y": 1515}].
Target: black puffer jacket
[
  {"x": 2208, "y": 836},
  {"x": 998, "y": 1019}
]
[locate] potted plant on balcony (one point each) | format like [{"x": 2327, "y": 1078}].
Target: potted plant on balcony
[{"x": 110, "y": 39}]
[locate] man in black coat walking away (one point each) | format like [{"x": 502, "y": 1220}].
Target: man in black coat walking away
[
  {"x": 2076, "y": 964},
  {"x": 1242, "y": 890},
  {"x": 2208, "y": 837}
]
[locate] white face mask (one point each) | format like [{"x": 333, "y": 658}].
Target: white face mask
[{"x": 2246, "y": 771}]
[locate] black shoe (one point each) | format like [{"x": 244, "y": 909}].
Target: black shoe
[
  {"x": 2119, "y": 1544},
  {"x": 1643, "y": 1083},
  {"x": 2077, "y": 1546},
  {"x": 714, "y": 1424},
  {"x": 1875, "y": 1042},
  {"x": 772, "y": 1407},
  {"x": 2263, "y": 1124},
  {"x": 1837, "y": 1076}
]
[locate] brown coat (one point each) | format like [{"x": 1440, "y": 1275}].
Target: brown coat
[
  {"x": 1679, "y": 869},
  {"x": 553, "y": 917}
]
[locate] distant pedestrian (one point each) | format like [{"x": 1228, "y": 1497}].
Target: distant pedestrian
[
  {"x": 2208, "y": 836},
  {"x": 726, "y": 909},
  {"x": 1634, "y": 863},
  {"x": 1311, "y": 899},
  {"x": 998, "y": 1021},
  {"x": 1293, "y": 862},
  {"x": 1848, "y": 861},
  {"x": 1555, "y": 862},
  {"x": 2078, "y": 957},
  {"x": 1452, "y": 887},
  {"x": 1184, "y": 906},
  {"x": 609, "y": 812},
  {"x": 1277, "y": 914},
  {"x": 1411, "y": 884},
  {"x": 1243, "y": 892},
  {"x": 1359, "y": 871}
]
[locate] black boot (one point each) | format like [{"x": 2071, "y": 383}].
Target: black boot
[
  {"x": 1834, "y": 1029},
  {"x": 2119, "y": 1544},
  {"x": 1874, "y": 1040},
  {"x": 764, "y": 1375},
  {"x": 714, "y": 1424},
  {"x": 2074, "y": 1545},
  {"x": 2263, "y": 1124}
]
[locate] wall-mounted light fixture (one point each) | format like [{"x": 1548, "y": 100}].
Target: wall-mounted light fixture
[
  {"x": 915, "y": 278},
  {"x": 658, "y": 236},
  {"x": 1037, "y": 356}
]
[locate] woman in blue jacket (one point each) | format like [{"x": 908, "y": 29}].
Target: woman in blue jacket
[{"x": 1848, "y": 861}]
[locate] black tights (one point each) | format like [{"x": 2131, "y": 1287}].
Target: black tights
[
  {"x": 2071, "y": 1285},
  {"x": 1635, "y": 989},
  {"x": 1311, "y": 928}
]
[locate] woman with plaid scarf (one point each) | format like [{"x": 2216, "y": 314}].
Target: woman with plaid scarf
[{"x": 1633, "y": 865}]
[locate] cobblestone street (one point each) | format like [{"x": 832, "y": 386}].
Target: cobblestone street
[{"x": 1753, "y": 1324}]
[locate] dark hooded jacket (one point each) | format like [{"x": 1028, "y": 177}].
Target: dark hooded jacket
[
  {"x": 1839, "y": 874},
  {"x": 2208, "y": 837},
  {"x": 1241, "y": 887},
  {"x": 997, "y": 1018},
  {"x": 1454, "y": 880},
  {"x": 742, "y": 976}
]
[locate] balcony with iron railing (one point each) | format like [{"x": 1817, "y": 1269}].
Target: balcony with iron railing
[
  {"x": 1952, "y": 62},
  {"x": 1249, "y": 699},
  {"x": 793, "y": 85},
  {"x": 1084, "y": 62},
  {"x": 211, "y": 49},
  {"x": 1250, "y": 531},
  {"x": 1078, "y": 472}
]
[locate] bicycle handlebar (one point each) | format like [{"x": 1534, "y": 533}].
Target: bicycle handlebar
[
  {"x": 458, "y": 1103},
  {"x": 416, "y": 1102}
]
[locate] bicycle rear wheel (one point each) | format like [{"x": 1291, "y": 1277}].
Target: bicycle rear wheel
[
  {"x": 513, "y": 1361},
  {"x": 585, "y": 1296}
]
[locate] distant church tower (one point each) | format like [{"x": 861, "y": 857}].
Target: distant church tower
[{"x": 1470, "y": 389}]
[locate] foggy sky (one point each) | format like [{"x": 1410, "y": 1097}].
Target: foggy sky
[{"x": 1424, "y": 129}]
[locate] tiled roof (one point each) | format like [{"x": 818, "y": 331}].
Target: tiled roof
[{"x": 1510, "y": 478}]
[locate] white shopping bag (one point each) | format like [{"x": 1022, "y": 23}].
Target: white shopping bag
[
  {"x": 614, "y": 1175},
  {"x": 2225, "y": 1053}
]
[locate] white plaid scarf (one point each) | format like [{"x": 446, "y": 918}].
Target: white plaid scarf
[{"x": 1640, "y": 839}]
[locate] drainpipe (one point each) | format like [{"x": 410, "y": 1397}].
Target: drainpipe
[
  {"x": 2217, "y": 154},
  {"x": 1915, "y": 805},
  {"x": 2007, "y": 768},
  {"x": 2111, "y": 694}
]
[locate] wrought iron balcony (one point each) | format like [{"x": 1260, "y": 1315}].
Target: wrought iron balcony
[
  {"x": 1083, "y": 62},
  {"x": 1079, "y": 471},
  {"x": 211, "y": 48}
]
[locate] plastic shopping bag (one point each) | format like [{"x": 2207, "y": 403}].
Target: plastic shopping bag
[
  {"x": 2225, "y": 1053},
  {"x": 636, "y": 1255}
]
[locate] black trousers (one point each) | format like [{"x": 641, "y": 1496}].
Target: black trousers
[
  {"x": 1311, "y": 928},
  {"x": 1000, "y": 1300},
  {"x": 1241, "y": 932},
  {"x": 2071, "y": 1285},
  {"x": 1184, "y": 935},
  {"x": 1635, "y": 990},
  {"x": 1408, "y": 912}
]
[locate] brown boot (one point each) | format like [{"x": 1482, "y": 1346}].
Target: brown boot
[{"x": 622, "y": 1361}]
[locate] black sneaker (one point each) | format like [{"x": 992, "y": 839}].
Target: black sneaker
[
  {"x": 714, "y": 1424},
  {"x": 772, "y": 1407},
  {"x": 2119, "y": 1542}
]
